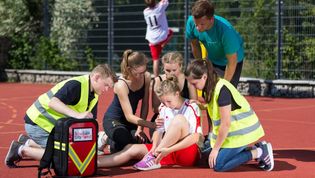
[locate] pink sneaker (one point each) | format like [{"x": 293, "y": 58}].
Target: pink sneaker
[{"x": 147, "y": 163}]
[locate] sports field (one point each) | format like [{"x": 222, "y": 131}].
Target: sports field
[{"x": 289, "y": 125}]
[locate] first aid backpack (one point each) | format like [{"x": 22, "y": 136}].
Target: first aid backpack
[{"x": 71, "y": 148}]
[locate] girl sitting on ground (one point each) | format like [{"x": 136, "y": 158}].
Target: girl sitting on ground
[{"x": 181, "y": 130}]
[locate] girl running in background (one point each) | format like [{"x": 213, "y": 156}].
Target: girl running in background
[
  {"x": 158, "y": 34},
  {"x": 120, "y": 123},
  {"x": 173, "y": 63},
  {"x": 181, "y": 131},
  {"x": 235, "y": 125}
]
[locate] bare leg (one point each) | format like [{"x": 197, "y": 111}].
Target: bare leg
[
  {"x": 32, "y": 153},
  {"x": 156, "y": 69},
  {"x": 179, "y": 130},
  {"x": 31, "y": 143},
  {"x": 131, "y": 151}
]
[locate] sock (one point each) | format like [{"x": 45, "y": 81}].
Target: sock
[
  {"x": 259, "y": 152},
  {"x": 27, "y": 143},
  {"x": 20, "y": 150}
]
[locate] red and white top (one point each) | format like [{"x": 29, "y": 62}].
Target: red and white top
[
  {"x": 157, "y": 27},
  {"x": 191, "y": 112}
]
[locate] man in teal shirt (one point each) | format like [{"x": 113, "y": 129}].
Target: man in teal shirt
[{"x": 223, "y": 43}]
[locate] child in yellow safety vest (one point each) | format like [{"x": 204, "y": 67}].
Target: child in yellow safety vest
[{"x": 234, "y": 123}]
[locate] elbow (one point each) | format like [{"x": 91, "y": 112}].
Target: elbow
[
  {"x": 197, "y": 137},
  {"x": 51, "y": 102},
  {"x": 226, "y": 125}
]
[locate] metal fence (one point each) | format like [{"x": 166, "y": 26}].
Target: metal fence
[{"x": 279, "y": 35}]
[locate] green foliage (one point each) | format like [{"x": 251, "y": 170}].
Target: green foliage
[
  {"x": 14, "y": 17},
  {"x": 21, "y": 51},
  {"x": 70, "y": 18},
  {"x": 48, "y": 57},
  {"x": 90, "y": 58}
]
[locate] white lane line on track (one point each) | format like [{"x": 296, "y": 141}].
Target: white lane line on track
[{"x": 289, "y": 121}]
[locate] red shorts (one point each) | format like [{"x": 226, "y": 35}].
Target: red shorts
[
  {"x": 157, "y": 49},
  {"x": 184, "y": 157}
]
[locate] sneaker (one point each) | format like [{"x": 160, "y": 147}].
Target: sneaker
[
  {"x": 267, "y": 157},
  {"x": 260, "y": 145},
  {"x": 100, "y": 143},
  {"x": 12, "y": 156},
  {"x": 23, "y": 138},
  {"x": 147, "y": 163}
]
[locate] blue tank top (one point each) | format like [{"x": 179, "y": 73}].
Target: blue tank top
[{"x": 115, "y": 111}]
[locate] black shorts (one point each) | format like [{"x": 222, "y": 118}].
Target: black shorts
[{"x": 237, "y": 74}]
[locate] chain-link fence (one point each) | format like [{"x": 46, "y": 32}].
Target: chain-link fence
[{"x": 279, "y": 35}]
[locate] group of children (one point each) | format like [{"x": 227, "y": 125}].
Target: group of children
[{"x": 176, "y": 136}]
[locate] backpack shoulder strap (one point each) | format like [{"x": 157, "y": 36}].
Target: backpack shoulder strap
[{"x": 47, "y": 158}]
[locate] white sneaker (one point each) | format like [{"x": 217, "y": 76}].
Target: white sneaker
[{"x": 101, "y": 142}]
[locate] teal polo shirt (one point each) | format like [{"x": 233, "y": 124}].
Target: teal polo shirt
[{"x": 221, "y": 39}]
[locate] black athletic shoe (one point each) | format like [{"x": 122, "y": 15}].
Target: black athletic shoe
[
  {"x": 260, "y": 145},
  {"x": 12, "y": 156},
  {"x": 267, "y": 157}
]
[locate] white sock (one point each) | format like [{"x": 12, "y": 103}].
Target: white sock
[
  {"x": 259, "y": 152},
  {"x": 27, "y": 143},
  {"x": 20, "y": 150}
]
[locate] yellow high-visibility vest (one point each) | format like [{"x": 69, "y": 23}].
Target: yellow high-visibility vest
[
  {"x": 45, "y": 117},
  {"x": 245, "y": 127},
  {"x": 204, "y": 55}
]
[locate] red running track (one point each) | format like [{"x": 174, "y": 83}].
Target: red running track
[{"x": 289, "y": 125}]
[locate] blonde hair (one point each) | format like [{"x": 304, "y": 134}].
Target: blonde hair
[
  {"x": 105, "y": 71},
  {"x": 174, "y": 57},
  {"x": 168, "y": 86},
  {"x": 132, "y": 59}
]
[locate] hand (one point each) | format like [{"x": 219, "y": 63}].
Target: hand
[
  {"x": 200, "y": 105},
  {"x": 83, "y": 115},
  {"x": 213, "y": 157},
  {"x": 140, "y": 135},
  {"x": 159, "y": 122},
  {"x": 161, "y": 153}
]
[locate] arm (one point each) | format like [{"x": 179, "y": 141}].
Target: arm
[
  {"x": 121, "y": 89},
  {"x": 145, "y": 100},
  {"x": 231, "y": 66},
  {"x": 62, "y": 108},
  {"x": 196, "y": 49},
  {"x": 155, "y": 100},
  {"x": 225, "y": 112},
  {"x": 156, "y": 139}
]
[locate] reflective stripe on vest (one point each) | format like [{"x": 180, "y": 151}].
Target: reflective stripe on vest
[
  {"x": 81, "y": 166},
  {"x": 236, "y": 117},
  {"x": 245, "y": 127},
  {"x": 45, "y": 117}
]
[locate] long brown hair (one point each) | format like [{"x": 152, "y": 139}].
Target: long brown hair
[
  {"x": 196, "y": 69},
  {"x": 132, "y": 59}
]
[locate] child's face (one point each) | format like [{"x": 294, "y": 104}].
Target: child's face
[
  {"x": 102, "y": 85},
  {"x": 172, "y": 69},
  {"x": 198, "y": 83},
  {"x": 138, "y": 72},
  {"x": 171, "y": 100}
]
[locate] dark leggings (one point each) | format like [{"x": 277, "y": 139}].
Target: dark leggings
[
  {"x": 119, "y": 134},
  {"x": 237, "y": 74}
]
